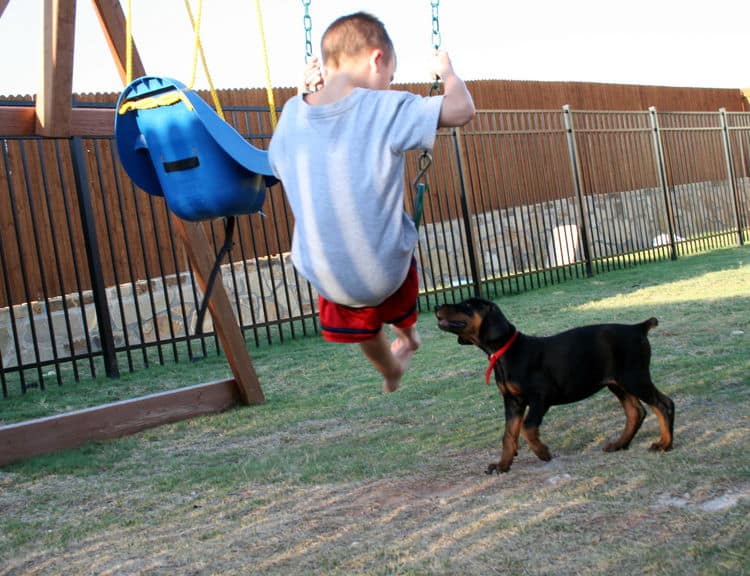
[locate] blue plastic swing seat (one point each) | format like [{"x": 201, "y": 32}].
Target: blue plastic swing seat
[{"x": 173, "y": 144}]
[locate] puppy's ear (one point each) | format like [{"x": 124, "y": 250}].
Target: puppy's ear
[{"x": 494, "y": 325}]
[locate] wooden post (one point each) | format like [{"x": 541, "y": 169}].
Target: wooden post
[{"x": 54, "y": 99}]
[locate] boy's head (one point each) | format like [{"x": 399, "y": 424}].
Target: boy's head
[{"x": 357, "y": 37}]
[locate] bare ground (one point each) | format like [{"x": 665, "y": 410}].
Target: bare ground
[{"x": 585, "y": 512}]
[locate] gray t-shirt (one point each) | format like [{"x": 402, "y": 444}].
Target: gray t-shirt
[{"x": 342, "y": 167}]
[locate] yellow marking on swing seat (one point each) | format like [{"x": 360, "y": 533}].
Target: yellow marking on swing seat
[{"x": 150, "y": 102}]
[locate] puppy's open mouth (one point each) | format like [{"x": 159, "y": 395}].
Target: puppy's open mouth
[{"x": 451, "y": 325}]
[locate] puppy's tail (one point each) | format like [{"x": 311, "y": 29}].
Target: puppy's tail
[{"x": 648, "y": 324}]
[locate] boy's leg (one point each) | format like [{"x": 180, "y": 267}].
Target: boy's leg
[
  {"x": 362, "y": 325},
  {"x": 365, "y": 326},
  {"x": 392, "y": 359},
  {"x": 400, "y": 311},
  {"x": 378, "y": 350},
  {"x": 407, "y": 340}
]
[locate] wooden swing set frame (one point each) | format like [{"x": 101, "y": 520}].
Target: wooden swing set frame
[{"x": 53, "y": 116}]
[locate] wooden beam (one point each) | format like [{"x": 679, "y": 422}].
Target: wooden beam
[
  {"x": 226, "y": 327},
  {"x": 54, "y": 99},
  {"x": 113, "y": 23},
  {"x": 17, "y": 120},
  {"x": 21, "y": 121},
  {"x": 72, "y": 429},
  {"x": 92, "y": 122}
]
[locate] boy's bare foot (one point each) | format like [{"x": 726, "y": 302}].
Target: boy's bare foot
[
  {"x": 391, "y": 359},
  {"x": 391, "y": 384},
  {"x": 402, "y": 348}
]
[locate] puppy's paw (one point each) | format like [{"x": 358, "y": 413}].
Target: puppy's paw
[
  {"x": 543, "y": 453},
  {"x": 661, "y": 447},
  {"x": 499, "y": 467}
]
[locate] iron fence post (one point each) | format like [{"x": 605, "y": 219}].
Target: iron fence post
[
  {"x": 103, "y": 320},
  {"x": 575, "y": 169},
  {"x": 730, "y": 172},
  {"x": 662, "y": 172},
  {"x": 475, "y": 278}
]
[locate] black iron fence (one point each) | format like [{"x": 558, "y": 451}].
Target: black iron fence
[{"x": 91, "y": 280}]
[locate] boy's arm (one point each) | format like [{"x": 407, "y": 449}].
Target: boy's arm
[{"x": 458, "y": 106}]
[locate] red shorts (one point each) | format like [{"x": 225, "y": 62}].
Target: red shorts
[{"x": 351, "y": 325}]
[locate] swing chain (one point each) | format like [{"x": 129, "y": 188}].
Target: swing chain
[
  {"x": 425, "y": 160},
  {"x": 437, "y": 39},
  {"x": 307, "y": 20},
  {"x": 420, "y": 184}
]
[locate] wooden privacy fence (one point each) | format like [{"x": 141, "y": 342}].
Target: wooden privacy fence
[
  {"x": 521, "y": 95},
  {"x": 517, "y": 199}
]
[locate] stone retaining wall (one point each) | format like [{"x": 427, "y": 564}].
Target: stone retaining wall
[{"x": 520, "y": 239}]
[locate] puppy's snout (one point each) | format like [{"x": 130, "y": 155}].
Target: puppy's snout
[{"x": 439, "y": 309}]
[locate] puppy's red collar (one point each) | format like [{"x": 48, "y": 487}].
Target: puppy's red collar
[{"x": 496, "y": 356}]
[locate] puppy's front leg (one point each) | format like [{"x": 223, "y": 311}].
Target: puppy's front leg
[{"x": 514, "y": 409}]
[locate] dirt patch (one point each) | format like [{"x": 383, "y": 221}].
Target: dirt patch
[
  {"x": 460, "y": 522},
  {"x": 716, "y": 500},
  {"x": 583, "y": 513}
]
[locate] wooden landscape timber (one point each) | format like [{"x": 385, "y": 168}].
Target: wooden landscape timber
[{"x": 41, "y": 436}]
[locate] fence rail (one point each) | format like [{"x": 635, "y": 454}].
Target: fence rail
[{"x": 90, "y": 275}]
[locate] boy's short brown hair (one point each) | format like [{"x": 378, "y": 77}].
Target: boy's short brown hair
[{"x": 349, "y": 36}]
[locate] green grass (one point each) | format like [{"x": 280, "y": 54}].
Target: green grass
[{"x": 333, "y": 476}]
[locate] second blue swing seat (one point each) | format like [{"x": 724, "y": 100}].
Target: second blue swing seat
[{"x": 173, "y": 144}]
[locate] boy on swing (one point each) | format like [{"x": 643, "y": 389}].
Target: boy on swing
[{"x": 339, "y": 152}]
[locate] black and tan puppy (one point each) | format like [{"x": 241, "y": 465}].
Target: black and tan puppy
[{"x": 535, "y": 373}]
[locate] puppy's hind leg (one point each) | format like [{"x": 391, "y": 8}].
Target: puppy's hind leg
[
  {"x": 634, "y": 415},
  {"x": 664, "y": 410},
  {"x": 531, "y": 431},
  {"x": 663, "y": 407}
]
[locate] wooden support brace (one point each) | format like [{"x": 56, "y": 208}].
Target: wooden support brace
[
  {"x": 45, "y": 435},
  {"x": 192, "y": 234},
  {"x": 227, "y": 329}
]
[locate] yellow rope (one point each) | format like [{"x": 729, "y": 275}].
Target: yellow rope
[
  {"x": 196, "y": 24},
  {"x": 269, "y": 86},
  {"x": 198, "y": 49},
  {"x": 128, "y": 47},
  {"x": 152, "y": 101}
]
